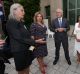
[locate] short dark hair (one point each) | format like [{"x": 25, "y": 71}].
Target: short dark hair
[{"x": 78, "y": 18}]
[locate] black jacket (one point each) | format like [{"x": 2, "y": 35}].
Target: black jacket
[{"x": 20, "y": 38}]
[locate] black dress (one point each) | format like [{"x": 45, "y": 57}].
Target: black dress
[
  {"x": 20, "y": 42},
  {"x": 38, "y": 32}
]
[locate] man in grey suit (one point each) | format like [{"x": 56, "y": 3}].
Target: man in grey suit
[{"x": 60, "y": 26}]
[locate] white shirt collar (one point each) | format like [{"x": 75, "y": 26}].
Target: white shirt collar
[{"x": 60, "y": 18}]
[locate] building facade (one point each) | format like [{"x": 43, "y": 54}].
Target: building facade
[{"x": 71, "y": 9}]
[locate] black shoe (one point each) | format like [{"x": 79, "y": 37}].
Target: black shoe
[
  {"x": 55, "y": 61},
  {"x": 69, "y": 62}
]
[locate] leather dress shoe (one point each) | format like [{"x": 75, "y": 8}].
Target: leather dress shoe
[
  {"x": 69, "y": 62},
  {"x": 55, "y": 61}
]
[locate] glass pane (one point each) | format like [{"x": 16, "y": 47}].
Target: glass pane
[
  {"x": 65, "y": 8},
  {"x": 78, "y": 3},
  {"x": 47, "y": 8},
  {"x": 72, "y": 17},
  {"x": 78, "y": 14},
  {"x": 72, "y": 4}
]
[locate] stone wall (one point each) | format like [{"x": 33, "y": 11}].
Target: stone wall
[{"x": 54, "y": 4}]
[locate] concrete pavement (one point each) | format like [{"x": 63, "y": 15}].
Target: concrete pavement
[{"x": 60, "y": 68}]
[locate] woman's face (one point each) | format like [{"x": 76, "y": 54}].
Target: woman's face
[
  {"x": 20, "y": 13},
  {"x": 39, "y": 18}
]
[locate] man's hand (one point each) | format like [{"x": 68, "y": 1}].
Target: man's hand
[
  {"x": 41, "y": 41},
  {"x": 61, "y": 29},
  {"x": 56, "y": 30}
]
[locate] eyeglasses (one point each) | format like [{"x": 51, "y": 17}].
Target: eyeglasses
[{"x": 15, "y": 8}]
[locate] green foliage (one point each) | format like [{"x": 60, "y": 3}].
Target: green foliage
[
  {"x": 6, "y": 8},
  {"x": 30, "y": 6}
]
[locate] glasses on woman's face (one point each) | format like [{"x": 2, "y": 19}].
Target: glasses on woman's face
[
  {"x": 20, "y": 10},
  {"x": 20, "y": 13}
]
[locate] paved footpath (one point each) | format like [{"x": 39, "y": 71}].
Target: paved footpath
[{"x": 61, "y": 68}]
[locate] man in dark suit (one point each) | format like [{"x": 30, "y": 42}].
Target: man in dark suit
[{"x": 60, "y": 26}]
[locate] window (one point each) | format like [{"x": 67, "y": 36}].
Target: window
[
  {"x": 65, "y": 8},
  {"x": 72, "y": 4},
  {"x": 47, "y": 8},
  {"x": 78, "y": 13},
  {"x": 73, "y": 10},
  {"x": 48, "y": 16},
  {"x": 72, "y": 17},
  {"x": 78, "y": 3}
]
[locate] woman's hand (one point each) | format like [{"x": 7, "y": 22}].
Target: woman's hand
[
  {"x": 41, "y": 41},
  {"x": 2, "y": 42},
  {"x": 61, "y": 29}
]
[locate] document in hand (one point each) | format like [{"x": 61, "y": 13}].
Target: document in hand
[{"x": 31, "y": 48}]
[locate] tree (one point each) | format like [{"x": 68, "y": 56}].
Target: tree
[
  {"x": 30, "y": 6},
  {"x": 7, "y": 4}
]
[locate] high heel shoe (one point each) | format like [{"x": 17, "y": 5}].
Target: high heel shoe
[
  {"x": 45, "y": 65},
  {"x": 78, "y": 61},
  {"x": 42, "y": 70}
]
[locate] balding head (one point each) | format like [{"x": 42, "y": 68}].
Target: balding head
[{"x": 59, "y": 13}]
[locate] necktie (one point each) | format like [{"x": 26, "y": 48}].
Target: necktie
[{"x": 60, "y": 22}]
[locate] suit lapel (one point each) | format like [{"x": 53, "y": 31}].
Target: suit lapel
[
  {"x": 63, "y": 22},
  {"x": 57, "y": 23}
]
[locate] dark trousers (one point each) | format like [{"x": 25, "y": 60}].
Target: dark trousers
[
  {"x": 2, "y": 66},
  {"x": 64, "y": 41}
]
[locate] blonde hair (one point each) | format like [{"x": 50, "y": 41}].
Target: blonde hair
[
  {"x": 35, "y": 17},
  {"x": 13, "y": 8}
]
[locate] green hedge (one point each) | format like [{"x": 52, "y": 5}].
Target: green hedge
[{"x": 30, "y": 6}]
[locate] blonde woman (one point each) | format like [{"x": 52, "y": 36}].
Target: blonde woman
[{"x": 38, "y": 30}]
